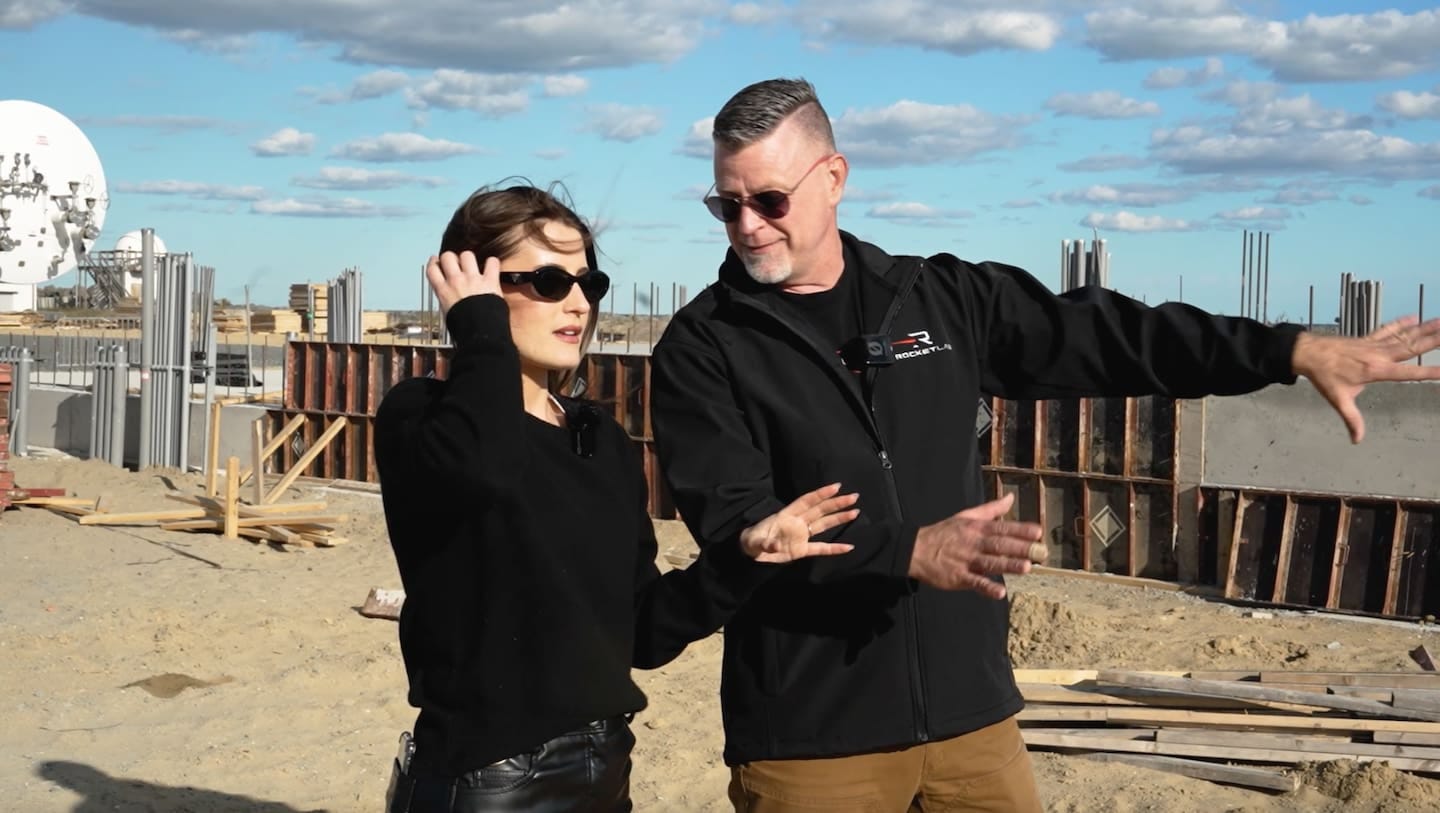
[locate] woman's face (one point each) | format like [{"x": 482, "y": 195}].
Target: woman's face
[{"x": 547, "y": 334}]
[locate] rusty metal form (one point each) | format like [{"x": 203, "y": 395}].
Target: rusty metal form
[
  {"x": 325, "y": 381},
  {"x": 1369, "y": 555},
  {"x": 1098, "y": 474},
  {"x": 7, "y": 477}
]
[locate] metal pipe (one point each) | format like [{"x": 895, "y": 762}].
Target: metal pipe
[
  {"x": 147, "y": 342},
  {"x": 182, "y": 383},
  {"x": 119, "y": 394},
  {"x": 1265, "y": 303},
  {"x": 1244, "y": 268}
]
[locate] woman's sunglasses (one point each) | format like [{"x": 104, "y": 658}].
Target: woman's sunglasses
[
  {"x": 553, "y": 282},
  {"x": 771, "y": 205}
]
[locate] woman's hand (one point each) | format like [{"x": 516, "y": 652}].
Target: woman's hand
[
  {"x": 456, "y": 276},
  {"x": 785, "y": 535}
]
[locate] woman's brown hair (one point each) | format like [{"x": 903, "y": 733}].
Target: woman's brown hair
[{"x": 494, "y": 220}]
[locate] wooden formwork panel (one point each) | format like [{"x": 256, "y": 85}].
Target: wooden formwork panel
[
  {"x": 1354, "y": 553},
  {"x": 7, "y": 477}
]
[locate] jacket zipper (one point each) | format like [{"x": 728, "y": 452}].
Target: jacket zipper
[{"x": 917, "y": 681}]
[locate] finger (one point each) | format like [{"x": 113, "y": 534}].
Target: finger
[
  {"x": 1350, "y": 414},
  {"x": 1390, "y": 329},
  {"x": 1014, "y": 529},
  {"x": 1009, "y": 547},
  {"x": 811, "y": 499},
  {"x": 830, "y": 506},
  {"x": 450, "y": 266},
  {"x": 823, "y": 549},
  {"x": 980, "y": 584},
  {"x": 1413, "y": 372},
  {"x": 835, "y": 520},
  {"x": 990, "y": 510},
  {"x": 996, "y": 565}
]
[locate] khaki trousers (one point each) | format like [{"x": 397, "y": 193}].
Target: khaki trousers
[{"x": 987, "y": 770}]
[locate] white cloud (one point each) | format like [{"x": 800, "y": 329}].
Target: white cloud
[
  {"x": 1342, "y": 47},
  {"x": 913, "y": 212},
  {"x": 390, "y": 147},
  {"x": 1133, "y": 194},
  {"x": 909, "y": 132},
  {"x": 754, "y": 13},
  {"x": 372, "y": 85},
  {"x": 1407, "y": 105},
  {"x": 1021, "y": 203},
  {"x": 26, "y": 13},
  {"x": 355, "y": 178},
  {"x": 1103, "y": 104},
  {"x": 618, "y": 122},
  {"x": 1172, "y": 77},
  {"x": 192, "y": 189},
  {"x": 1431, "y": 192},
  {"x": 489, "y": 94},
  {"x": 533, "y": 35},
  {"x": 1301, "y": 193},
  {"x": 1131, "y": 222},
  {"x": 1253, "y": 214},
  {"x": 284, "y": 142},
  {"x": 326, "y": 207},
  {"x": 1105, "y": 163},
  {"x": 201, "y": 41},
  {"x": 955, "y": 28},
  {"x": 551, "y": 153},
  {"x": 566, "y": 85},
  {"x": 698, "y": 142}
]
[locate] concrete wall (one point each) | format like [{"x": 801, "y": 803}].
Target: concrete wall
[
  {"x": 1290, "y": 438},
  {"x": 60, "y": 419}
]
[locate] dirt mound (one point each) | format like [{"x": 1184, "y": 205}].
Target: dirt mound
[
  {"x": 1250, "y": 651},
  {"x": 1047, "y": 633},
  {"x": 1371, "y": 787}
]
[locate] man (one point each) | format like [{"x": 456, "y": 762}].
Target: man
[{"x": 879, "y": 680}]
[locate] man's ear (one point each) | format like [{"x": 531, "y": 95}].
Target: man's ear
[{"x": 837, "y": 172}]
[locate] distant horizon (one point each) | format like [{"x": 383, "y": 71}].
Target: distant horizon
[{"x": 285, "y": 143}]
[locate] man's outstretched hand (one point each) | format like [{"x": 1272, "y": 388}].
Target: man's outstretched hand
[{"x": 1341, "y": 366}]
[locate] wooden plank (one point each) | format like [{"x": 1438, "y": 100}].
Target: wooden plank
[
  {"x": 306, "y": 459},
  {"x": 1232, "y": 590},
  {"x": 1290, "y": 742},
  {"x": 141, "y": 517},
  {"x": 1342, "y": 555},
  {"x": 1258, "y": 778},
  {"x": 1123, "y": 696},
  {"x": 1417, "y": 699},
  {"x": 1384, "y": 680},
  {"x": 257, "y": 464},
  {"x": 1287, "y": 545},
  {"x": 1216, "y": 688},
  {"x": 1251, "y": 721},
  {"x": 1407, "y": 737},
  {"x": 232, "y": 496},
  {"x": 212, "y": 451},
  {"x": 1065, "y": 677},
  {"x": 1397, "y": 555}
]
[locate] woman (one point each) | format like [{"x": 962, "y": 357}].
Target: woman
[{"x": 518, "y": 519}]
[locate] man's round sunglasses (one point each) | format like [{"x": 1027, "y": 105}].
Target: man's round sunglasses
[
  {"x": 553, "y": 282},
  {"x": 771, "y": 204}
]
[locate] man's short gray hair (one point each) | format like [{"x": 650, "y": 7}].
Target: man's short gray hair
[{"x": 755, "y": 112}]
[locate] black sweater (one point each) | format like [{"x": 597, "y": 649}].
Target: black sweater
[
  {"x": 846, "y": 654},
  {"x": 529, "y": 571}
]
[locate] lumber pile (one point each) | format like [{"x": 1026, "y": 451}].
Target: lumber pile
[
  {"x": 311, "y": 301},
  {"x": 229, "y": 320},
  {"x": 23, "y": 319},
  {"x": 275, "y": 322},
  {"x": 1236, "y": 727}
]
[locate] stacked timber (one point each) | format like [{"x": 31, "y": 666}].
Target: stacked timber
[
  {"x": 374, "y": 322},
  {"x": 276, "y": 322},
  {"x": 1235, "y": 727},
  {"x": 23, "y": 319},
  {"x": 311, "y": 301},
  {"x": 229, "y": 320}
]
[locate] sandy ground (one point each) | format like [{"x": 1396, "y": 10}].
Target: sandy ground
[{"x": 156, "y": 671}]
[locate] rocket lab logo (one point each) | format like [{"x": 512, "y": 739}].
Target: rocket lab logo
[{"x": 916, "y": 344}]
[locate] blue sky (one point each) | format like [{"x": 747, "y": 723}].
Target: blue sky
[{"x": 282, "y": 142}]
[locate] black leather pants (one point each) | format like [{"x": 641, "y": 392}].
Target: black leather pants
[{"x": 587, "y": 771}]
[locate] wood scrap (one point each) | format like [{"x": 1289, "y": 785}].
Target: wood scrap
[
  {"x": 1179, "y": 723},
  {"x": 383, "y": 603}
]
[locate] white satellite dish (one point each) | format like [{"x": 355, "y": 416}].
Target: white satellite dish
[
  {"x": 133, "y": 242},
  {"x": 53, "y": 196}
]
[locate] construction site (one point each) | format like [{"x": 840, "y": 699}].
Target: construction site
[{"x": 1236, "y": 612}]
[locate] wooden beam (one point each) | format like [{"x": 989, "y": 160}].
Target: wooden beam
[
  {"x": 141, "y": 517},
  {"x": 1236, "y": 721},
  {"x": 306, "y": 459},
  {"x": 1258, "y": 778},
  {"x": 257, "y": 446},
  {"x": 1236, "y": 689},
  {"x": 1118, "y": 740},
  {"x": 232, "y": 496},
  {"x": 212, "y": 451}
]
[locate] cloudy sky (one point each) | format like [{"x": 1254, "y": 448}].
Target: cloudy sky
[{"x": 285, "y": 140}]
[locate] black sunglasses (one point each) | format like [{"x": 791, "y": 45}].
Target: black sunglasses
[
  {"x": 771, "y": 205},
  {"x": 553, "y": 282}
]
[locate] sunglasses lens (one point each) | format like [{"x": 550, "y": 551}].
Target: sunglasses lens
[
  {"x": 772, "y": 205},
  {"x": 595, "y": 285},
  {"x": 551, "y": 283}
]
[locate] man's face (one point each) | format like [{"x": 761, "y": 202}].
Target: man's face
[{"x": 780, "y": 250}]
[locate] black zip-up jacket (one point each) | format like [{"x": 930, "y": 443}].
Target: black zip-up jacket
[
  {"x": 529, "y": 570},
  {"x": 845, "y": 655}
]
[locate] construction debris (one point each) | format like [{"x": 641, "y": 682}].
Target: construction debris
[
  {"x": 1202, "y": 724},
  {"x": 383, "y": 603}
]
